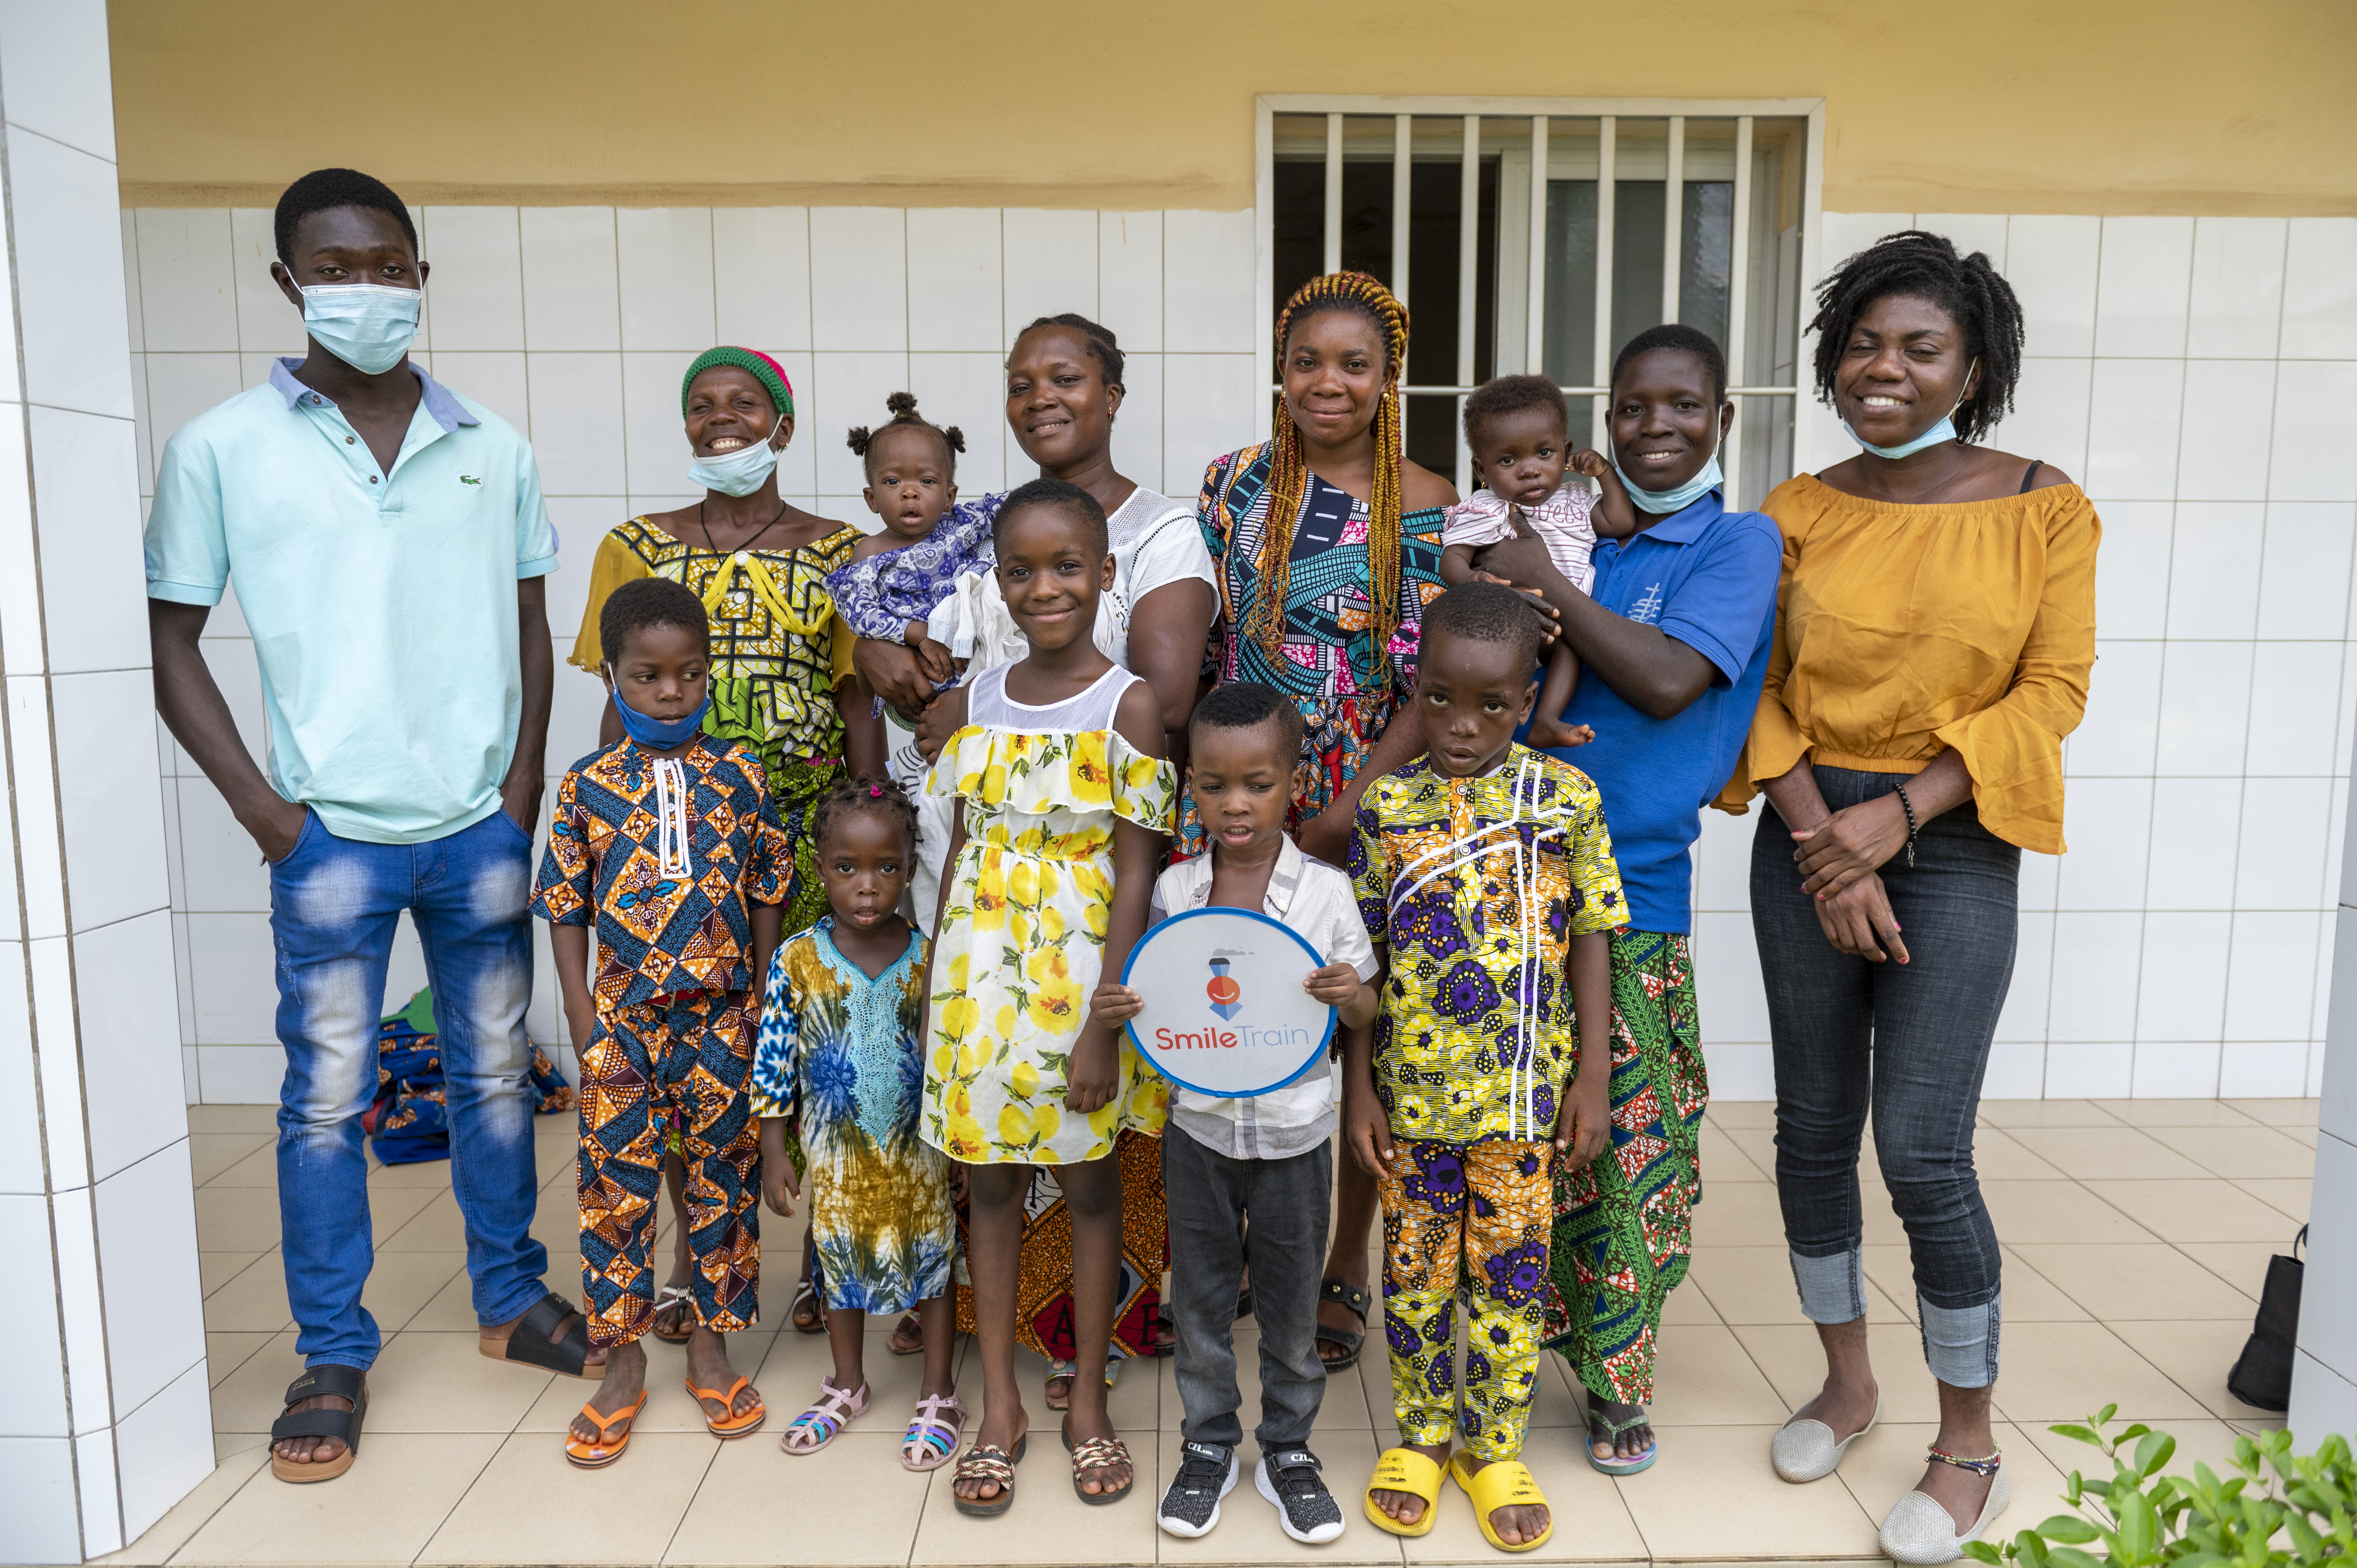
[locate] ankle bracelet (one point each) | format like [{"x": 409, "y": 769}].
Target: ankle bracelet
[{"x": 1988, "y": 1466}]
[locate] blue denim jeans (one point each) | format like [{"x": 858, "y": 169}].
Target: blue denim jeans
[
  {"x": 1910, "y": 1042},
  {"x": 333, "y": 906}
]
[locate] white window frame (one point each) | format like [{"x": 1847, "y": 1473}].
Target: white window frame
[{"x": 1535, "y": 167}]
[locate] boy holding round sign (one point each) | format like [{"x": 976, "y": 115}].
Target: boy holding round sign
[
  {"x": 1486, "y": 879},
  {"x": 1255, "y": 953}
]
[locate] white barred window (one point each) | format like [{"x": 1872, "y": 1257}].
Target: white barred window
[{"x": 1488, "y": 217}]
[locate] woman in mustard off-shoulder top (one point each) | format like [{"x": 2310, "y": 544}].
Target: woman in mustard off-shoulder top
[{"x": 1934, "y": 633}]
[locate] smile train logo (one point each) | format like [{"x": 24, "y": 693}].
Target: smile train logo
[{"x": 1227, "y": 997}]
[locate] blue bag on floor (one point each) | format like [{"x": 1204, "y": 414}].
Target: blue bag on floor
[{"x": 409, "y": 1121}]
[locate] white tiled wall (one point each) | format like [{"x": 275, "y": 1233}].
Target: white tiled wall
[
  {"x": 575, "y": 325},
  {"x": 2198, "y": 378}
]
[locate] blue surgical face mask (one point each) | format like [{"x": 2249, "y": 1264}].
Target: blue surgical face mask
[
  {"x": 738, "y": 473},
  {"x": 659, "y": 733},
  {"x": 367, "y": 325},
  {"x": 1663, "y": 502},
  {"x": 1943, "y": 431}
]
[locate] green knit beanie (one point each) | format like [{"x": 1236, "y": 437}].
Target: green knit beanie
[{"x": 764, "y": 369}]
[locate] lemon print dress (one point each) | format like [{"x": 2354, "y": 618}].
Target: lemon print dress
[{"x": 1022, "y": 936}]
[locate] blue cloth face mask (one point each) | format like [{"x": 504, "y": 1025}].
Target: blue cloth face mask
[
  {"x": 1943, "y": 431},
  {"x": 1661, "y": 502},
  {"x": 738, "y": 473},
  {"x": 658, "y": 734},
  {"x": 367, "y": 325}
]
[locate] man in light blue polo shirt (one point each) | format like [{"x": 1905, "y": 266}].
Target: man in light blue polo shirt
[
  {"x": 1673, "y": 648},
  {"x": 389, "y": 546}
]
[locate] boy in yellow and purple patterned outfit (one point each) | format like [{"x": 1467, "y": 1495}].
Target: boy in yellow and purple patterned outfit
[{"x": 1486, "y": 879}]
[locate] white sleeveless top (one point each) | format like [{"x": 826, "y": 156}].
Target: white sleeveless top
[{"x": 988, "y": 705}]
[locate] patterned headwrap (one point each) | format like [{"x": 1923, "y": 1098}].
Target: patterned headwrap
[
  {"x": 1289, "y": 478},
  {"x": 764, "y": 369}
]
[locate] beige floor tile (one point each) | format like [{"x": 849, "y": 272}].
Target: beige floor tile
[
  {"x": 2242, "y": 1264},
  {"x": 1735, "y": 1154},
  {"x": 215, "y": 1270},
  {"x": 2286, "y": 1195},
  {"x": 2060, "y": 1372},
  {"x": 225, "y": 1353},
  {"x": 1346, "y": 1414},
  {"x": 2209, "y": 1210},
  {"x": 259, "y": 1167},
  {"x": 2196, "y": 1356},
  {"x": 531, "y": 1505},
  {"x": 2176, "y": 1112},
  {"x": 254, "y": 1396},
  {"x": 2011, "y": 1113},
  {"x": 2277, "y": 1113},
  {"x": 718, "y": 1529},
  {"x": 211, "y": 1153},
  {"x": 1248, "y": 1531},
  {"x": 1704, "y": 1377},
  {"x": 440, "y": 1382},
  {"x": 1687, "y": 1305},
  {"x": 401, "y": 1283},
  {"x": 1737, "y": 1214},
  {"x": 237, "y": 1219},
  {"x": 1794, "y": 1363},
  {"x": 416, "y": 1173},
  {"x": 2244, "y": 1152},
  {"x": 382, "y": 1509},
  {"x": 1754, "y": 1285},
  {"x": 1048, "y": 1523},
  {"x": 188, "y": 1516},
  {"x": 255, "y": 1300},
  {"x": 2305, "y": 1137},
  {"x": 1888, "y": 1464},
  {"x": 1742, "y": 1112},
  {"x": 1712, "y": 1498},
  {"x": 2107, "y": 1153},
  {"x": 2026, "y": 1211},
  {"x": 1592, "y": 1523},
  {"x": 451, "y": 1309},
  {"x": 2134, "y": 1282},
  {"x": 1999, "y": 1156},
  {"x": 261, "y": 1119},
  {"x": 393, "y": 1213}
]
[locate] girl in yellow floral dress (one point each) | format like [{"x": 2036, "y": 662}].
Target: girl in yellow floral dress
[{"x": 1067, "y": 802}]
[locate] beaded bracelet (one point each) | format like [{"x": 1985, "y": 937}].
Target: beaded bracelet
[{"x": 1908, "y": 806}]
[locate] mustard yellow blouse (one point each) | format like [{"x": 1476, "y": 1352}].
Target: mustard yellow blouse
[{"x": 1904, "y": 630}]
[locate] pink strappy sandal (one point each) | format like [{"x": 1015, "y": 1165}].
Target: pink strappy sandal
[
  {"x": 932, "y": 1442},
  {"x": 823, "y": 1421}
]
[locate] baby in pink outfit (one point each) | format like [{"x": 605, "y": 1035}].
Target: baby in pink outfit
[{"x": 1520, "y": 430}]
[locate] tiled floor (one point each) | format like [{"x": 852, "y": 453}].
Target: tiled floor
[{"x": 2136, "y": 1235}]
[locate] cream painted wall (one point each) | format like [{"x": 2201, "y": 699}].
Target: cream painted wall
[{"x": 2096, "y": 106}]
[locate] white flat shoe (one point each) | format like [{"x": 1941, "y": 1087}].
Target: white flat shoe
[
  {"x": 1919, "y": 1530},
  {"x": 1804, "y": 1448}
]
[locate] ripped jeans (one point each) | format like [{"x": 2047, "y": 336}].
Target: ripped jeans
[{"x": 334, "y": 903}]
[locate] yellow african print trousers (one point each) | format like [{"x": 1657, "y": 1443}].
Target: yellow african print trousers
[{"x": 1468, "y": 1219}]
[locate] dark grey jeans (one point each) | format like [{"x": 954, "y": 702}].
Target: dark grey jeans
[
  {"x": 1209, "y": 1197},
  {"x": 1912, "y": 1042}
]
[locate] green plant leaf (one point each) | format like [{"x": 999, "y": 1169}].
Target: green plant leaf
[
  {"x": 2138, "y": 1529},
  {"x": 2104, "y": 1416},
  {"x": 1981, "y": 1551},
  {"x": 2067, "y": 1530},
  {"x": 2153, "y": 1451},
  {"x": 2076, "y": 1434},
  {"x": 2072, "y": 1557}
]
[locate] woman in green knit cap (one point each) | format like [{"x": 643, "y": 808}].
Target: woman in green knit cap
[{"x": 781, "y": 675}]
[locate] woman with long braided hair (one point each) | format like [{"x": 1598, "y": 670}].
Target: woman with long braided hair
[
  {"x": 1327, "y": 541},
  {"x": 1936, "y": 629}
]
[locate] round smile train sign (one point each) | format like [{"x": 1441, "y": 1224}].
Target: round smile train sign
[{"x": 1224, "y": 1010}]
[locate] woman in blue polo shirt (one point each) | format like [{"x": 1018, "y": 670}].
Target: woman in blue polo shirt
[{"x": 1673, "y": 645}]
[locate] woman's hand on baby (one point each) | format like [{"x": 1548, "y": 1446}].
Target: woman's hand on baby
[
  {"x": 1337, "y": 984},
  {"x": 892, "y": 673},
  {"x": 938, "y": 720},
  {"x": 936, "y": 660},
  {"x": 1094, "y": 1076},
  {"x": 1114, "y": 1003},
  {"x": 1849, "y": 844}
]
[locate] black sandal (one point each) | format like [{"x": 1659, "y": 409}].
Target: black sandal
[
  {"x": 344, "y": 1425},
  {"x": 538, "y": 1339},
  {"x": 1357, "y": 1301}
]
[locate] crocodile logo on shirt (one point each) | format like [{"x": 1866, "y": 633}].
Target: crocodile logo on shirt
[{"x": 468, "y": 479}]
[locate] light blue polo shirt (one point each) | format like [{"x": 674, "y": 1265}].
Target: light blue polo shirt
[
  {"x": 383, "y": 604},
  {"x": 1708, "y": 578}
]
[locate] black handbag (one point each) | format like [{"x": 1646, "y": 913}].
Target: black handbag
[{"x": 2262, "y": 1374}]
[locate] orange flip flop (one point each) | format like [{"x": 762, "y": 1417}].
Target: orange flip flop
[
  {"x": 731, "y": 1425},
  {"x": 605, "y": 1451}
]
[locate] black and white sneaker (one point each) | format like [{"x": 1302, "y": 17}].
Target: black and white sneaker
[
  {"x": 1289, "y": 1480},
  {"x": 1207, "y": 1472}
]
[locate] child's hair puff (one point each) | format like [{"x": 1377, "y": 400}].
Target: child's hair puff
[
  {"x": 903, "y": 408},
  {"x": 864, "y": 792}
]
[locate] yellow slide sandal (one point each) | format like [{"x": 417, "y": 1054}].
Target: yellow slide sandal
[
  {"x": 1501, "y": 1483},
  {"x": 1404, "y": 1470}
]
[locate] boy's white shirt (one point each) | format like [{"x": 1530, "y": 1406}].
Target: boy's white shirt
[{"x": 1315, "y": 899}]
